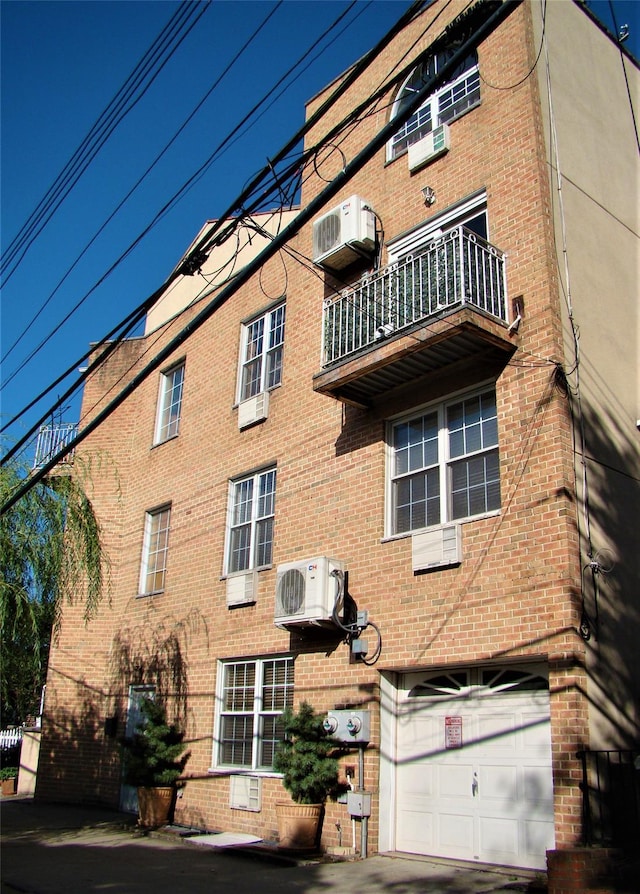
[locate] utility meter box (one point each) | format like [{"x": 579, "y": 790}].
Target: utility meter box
[
  {"x": 359, "y": 803},
  {"x": 349, "y": 726}
]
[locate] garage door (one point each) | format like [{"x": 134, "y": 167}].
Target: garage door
[{"x": 473, "y": 769}]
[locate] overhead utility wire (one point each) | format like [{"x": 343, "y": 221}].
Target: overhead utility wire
[
  {"x": 229, "y": 220},
  {"x": 266, "y": 171},
  {"x": 122, "y": 203},
  {"x": 484, "y": 18},
  {"x": 94, "y": 141},
  {"x": 624, "y": 71},
  {"x": 126, "y": 325},
  {"x": 176, "y": 197},
  {"x": 96, "y": 131}
]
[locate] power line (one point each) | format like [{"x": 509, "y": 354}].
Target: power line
[
  {"x": 121, "y": 204},
  {"x": 483, "y": 23},
  {"x": 267, "y": 171},
  {"x": 147, "y": 70}
]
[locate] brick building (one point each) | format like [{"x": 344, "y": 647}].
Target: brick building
[{"x": 424, "y": 405}]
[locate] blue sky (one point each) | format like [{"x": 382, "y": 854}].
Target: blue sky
[{"x": 61, "y": 65}]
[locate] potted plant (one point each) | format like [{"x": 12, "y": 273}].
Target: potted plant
[
  {"x": 9, "y": 778},
  {"x": 309, "y": 773},
  {"x": 154, "y": 760}
]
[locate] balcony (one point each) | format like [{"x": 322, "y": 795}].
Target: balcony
[
  {"x": 52, "y": 439},
  {"x": 443, "y": 305}
]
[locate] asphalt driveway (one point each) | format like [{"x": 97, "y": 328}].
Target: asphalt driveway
[{"x": 58, "y": 849}]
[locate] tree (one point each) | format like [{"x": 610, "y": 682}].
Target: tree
[
  {"x": 51, "y": 550},
  {"x": 155, "y": 756},
  {"x": 306, "y": 757}
]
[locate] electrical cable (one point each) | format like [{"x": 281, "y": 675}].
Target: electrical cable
[
  {"x": 355, "y": 72},
  {"x": 189, "y": 183},
  {"x": 96, "y": 138},
  {"x": 481, "y": 28},
  {"x": 533, "y": 67},
  {"x": 126, "y": 198},
  {"x": 626, "y": 79}
]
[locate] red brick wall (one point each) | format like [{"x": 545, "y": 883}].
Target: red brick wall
[{"x": 513, "y": 597}]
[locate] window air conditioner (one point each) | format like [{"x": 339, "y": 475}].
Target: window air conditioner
[
  {"x": 242, "y": 588},
  {"x": 306, "y": 591},
  {"x": 437, "y": 548},
  {"x": 245, "y": 793},
  {"x": 344, "y": 234},
  {"x": 253, "y": 410},
  {"x": 429, "y": 148}
]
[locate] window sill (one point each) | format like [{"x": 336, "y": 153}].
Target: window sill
[
  {"x": 389, "y": 538},
  {"x": 273, "y": 388},
  {"x": 165, "y": 441},
  {"x": 245, "y": 571},
  {"x": 243, "y": 771},
  {"x": 152, "y": 593}
]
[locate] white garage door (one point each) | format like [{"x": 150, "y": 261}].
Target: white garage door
[{"x": 473, "y": 769}]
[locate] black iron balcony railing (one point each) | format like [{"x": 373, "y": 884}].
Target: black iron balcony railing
[
  {"x": 459, "y": 268},
  {"x": 610, "y": 798},
  {"x": 52, "y": 439}
]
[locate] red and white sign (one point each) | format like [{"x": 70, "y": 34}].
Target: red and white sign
[{"x": 453, "y": 732}]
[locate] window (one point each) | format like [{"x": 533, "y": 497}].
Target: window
[
  {"x": 154, "y": 551},
  {"x": 444, "y": 464},
  {"x": 460, "y": 93},
  {"x": 252, "y": 696},
  {"x": 262, "y": 342},
  {"x": 169, "y": 404},
  {"x": 251, "y": 514}
]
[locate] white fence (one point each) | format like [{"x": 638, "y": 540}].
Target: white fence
[{"x": 9, "y": 738}]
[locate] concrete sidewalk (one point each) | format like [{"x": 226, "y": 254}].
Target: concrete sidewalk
[{"x": 62, "y": 849}]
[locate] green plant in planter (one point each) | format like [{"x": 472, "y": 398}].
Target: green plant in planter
[
  {"x": 306, "y": 758},
  {"x": 155, "y": 756},
  {"x": 8, "y": 773}
]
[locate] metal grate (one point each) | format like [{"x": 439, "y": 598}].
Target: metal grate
[{"x": 611, "y": 798}]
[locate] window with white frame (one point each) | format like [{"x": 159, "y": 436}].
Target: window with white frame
[
  {"x": 251, "y": 515},
  {"x": 155, "y": 550},
  {"x": 460, "y": 93},
  {"x": 444, "y": 463},
  {"x": 169, "y": 404},
  {"x": 261, "y": 350},
  {"x": 252, "y": 695}
]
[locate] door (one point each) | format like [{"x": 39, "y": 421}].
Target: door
[
  {"x": 473, "y": 777},
  {"x": 128, "y": 793}
]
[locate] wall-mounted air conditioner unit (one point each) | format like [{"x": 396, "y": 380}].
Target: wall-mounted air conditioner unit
[
  {"x": 344, "y": 234},
  {"x": 437, "y": 548},
  {"x": 253, "y": 410},
  {"x": 429, "y": 148},
  {"x": 306, "y": 591},
  {"x": 242, "y": 589},
  {"x": 245, "y": 793}
]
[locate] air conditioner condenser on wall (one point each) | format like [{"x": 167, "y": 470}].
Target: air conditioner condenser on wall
[
  {"x": 344, "y": 234},
  {"x": 306, "y": 591}
]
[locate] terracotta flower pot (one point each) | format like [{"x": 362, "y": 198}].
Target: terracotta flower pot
[
  {"x": 298, "y": 825},
  {"x": 10, "y": 786},
  {"x": 154, "y": 806}
]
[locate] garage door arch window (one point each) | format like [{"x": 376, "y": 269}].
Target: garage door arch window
[{"x": 480, "y": 681}]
